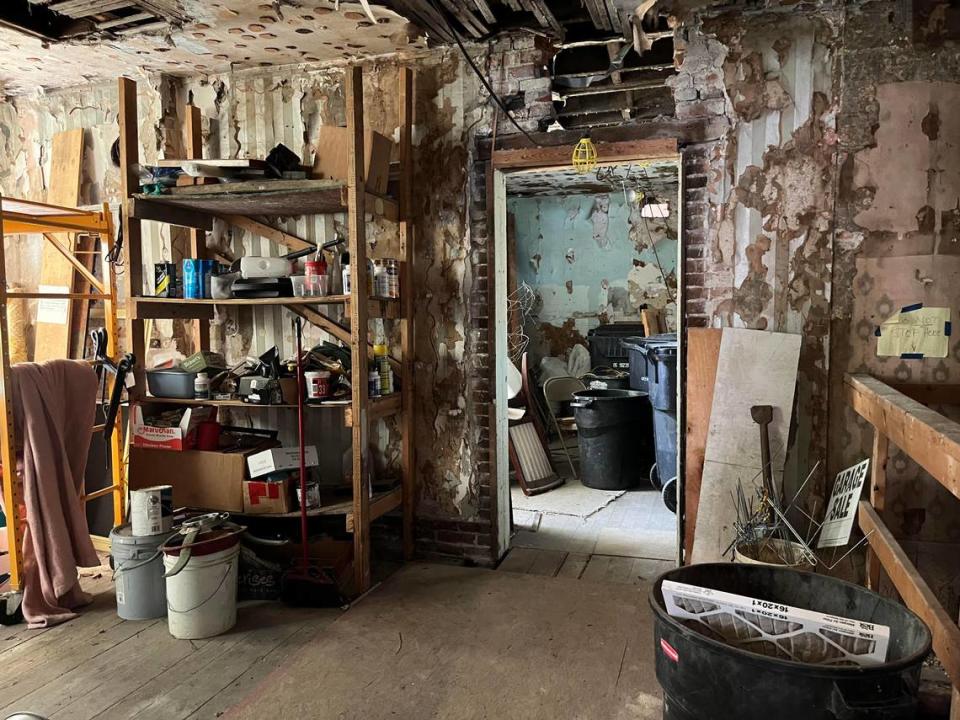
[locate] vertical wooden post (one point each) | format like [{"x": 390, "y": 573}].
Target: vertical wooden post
[
  {"x": 12, "y": 487},
  {"x": 359, "y": 310},
  {"x": 878, "y": 498},
  {"x": 198, "y": 238},
  {"x": 113, "y": 351},
  {"x": 132, "y": 257},
  {"x": 407, "y": 348}
]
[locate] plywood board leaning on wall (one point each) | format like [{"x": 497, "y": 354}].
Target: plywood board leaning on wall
[
  {"x": 754, "y": 367},
  {"x": 56, "y": 274},
  {"x": 703, "y": 350}
]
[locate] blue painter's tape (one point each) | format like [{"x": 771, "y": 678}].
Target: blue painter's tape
[
  {"x": 877, "y": 332},
  {"x": 911, "y": 308},
  {"x": 911, "y": 356},
  {"x": 947, "y": 328}
]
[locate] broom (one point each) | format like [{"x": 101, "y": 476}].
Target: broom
[{"x": 306, "y": 584}]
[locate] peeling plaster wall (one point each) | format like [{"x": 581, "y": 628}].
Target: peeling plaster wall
[
  {"x": 590, "y": 261},
  {"x": 828, "y": 203},
  {"x": 898, "y": 239}
]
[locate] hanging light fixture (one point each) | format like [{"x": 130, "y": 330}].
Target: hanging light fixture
[{"x": 584, "y": 155}]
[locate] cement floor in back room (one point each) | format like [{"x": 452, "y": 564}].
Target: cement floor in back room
[{"x": 432, "y": 641}]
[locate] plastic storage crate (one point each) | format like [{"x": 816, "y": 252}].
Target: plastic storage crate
[{"x": 606, "y": 348}]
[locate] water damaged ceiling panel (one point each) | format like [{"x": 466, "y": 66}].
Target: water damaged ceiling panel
[{"x": 60, "y": 43}]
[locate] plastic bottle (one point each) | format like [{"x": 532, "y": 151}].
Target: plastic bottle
[
  {"x": 373, "y": 383},
  {"x": 345, "y": 264},
  {"x": 201, "y": 387}
]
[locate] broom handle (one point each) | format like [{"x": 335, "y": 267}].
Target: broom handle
[{"x": 305, "y": 555}]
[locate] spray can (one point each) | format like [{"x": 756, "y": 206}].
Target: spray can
[
  {"x": 192, "y": 279},
  {"x": 165, "y": 280},
  {"x": 345, "y": 264}
]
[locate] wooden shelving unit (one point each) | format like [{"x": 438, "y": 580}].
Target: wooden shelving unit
[{"x": 196, "y": 206}]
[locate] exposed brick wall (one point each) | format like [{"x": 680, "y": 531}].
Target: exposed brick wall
[{"x": 694, "y": 235}]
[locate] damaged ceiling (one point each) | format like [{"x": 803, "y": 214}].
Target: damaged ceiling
[{"x": 101, "y": 39}]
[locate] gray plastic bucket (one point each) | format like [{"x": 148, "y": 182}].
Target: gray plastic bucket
[{"x": 138, "y": 574}]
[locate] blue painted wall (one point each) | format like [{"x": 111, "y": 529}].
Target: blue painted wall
[{"x": 590, "y": 260}]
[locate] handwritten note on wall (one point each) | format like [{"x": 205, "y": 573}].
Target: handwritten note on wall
[{"x": 916, "y": 332}]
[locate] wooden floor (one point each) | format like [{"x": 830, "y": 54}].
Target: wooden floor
[
  {"x": 98, "y": 666},
  {"x": 583, "y": 566},
  {"x": 432, "y": 641}
]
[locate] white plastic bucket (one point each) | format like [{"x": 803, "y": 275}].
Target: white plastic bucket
[{"x": 202, "y": 598}]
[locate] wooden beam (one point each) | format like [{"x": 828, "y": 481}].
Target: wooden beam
[
  {"x": 878, "y": 498},
  {"x": 929, "y": 393},
  {"x": 143, "y": 209},
  {"x": 407, "y": 346},
  {"x": 560, "y": 156},
  {"x": 359, "y": 331},
  {"x": 928, "y": 437},
  {"x": 380, "y": 506},
  {"x": 292, "y": 242},
  {"x": 913, "y": 590},
  {"x": 193, "y": 149}
]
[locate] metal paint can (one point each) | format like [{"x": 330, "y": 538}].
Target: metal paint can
[
  {"x": 151, "y": 510},
  {"x": 165, "y": 280},
  {"x": 192, "y": 279}
]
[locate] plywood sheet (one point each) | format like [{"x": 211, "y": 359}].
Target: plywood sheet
[
  {"x": 56, "y": 274},
  {"x": 754, "y": 368},
  {"x": 703, "y": 352}
]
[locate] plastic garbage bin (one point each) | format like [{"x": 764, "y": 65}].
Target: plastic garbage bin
[
  {"x": 643, "y": 367},
  {"x": 665, "y": 442},
  {"x": 704, "y": 677},
  {"x": 605, "y": 347},
  {"x": 613, "y": 427}
]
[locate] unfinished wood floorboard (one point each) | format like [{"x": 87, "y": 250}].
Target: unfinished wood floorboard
[
  {"x": 226, "y": 698},
  {"x": 182, "y": 688},
  {"x": 573, "y": 566},
  {"x": 436, "y": 641},
  {"x": 533, "y": 561}
]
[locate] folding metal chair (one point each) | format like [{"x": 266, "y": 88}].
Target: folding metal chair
[{"x": 556, "y": 391}]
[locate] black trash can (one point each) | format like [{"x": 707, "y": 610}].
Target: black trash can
[
  {"x": 606, "y": 349},
  {"x": 614, "y": 432},
  {"x": 642, "y": 367},
  {"x": 704, "y": 677}
]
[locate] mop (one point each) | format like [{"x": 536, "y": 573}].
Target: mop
[{"x": 306, "y": 584}]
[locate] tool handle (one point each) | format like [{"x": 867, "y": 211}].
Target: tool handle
[{"x": 305, "y": 554}]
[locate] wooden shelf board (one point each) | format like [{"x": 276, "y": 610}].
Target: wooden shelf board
[
  {"x": 380, "y": 504},
  {"x": 144, "y": 308},
  {"x": 270, "y": 197}
]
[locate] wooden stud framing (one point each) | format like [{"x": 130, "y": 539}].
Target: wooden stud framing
[
  {"x": 132, "y": 238},
  {"x": 878, "y": 498},
  {"x": 359, "y": 331},
  {"x": 408, "y": 452},
  {"x": 193, "y": 148}
]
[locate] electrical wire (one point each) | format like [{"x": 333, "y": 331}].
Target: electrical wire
[
  {"x": 496, "y": 98},
  {"x": 653, "y": 245}
]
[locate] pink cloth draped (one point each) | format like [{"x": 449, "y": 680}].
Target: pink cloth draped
[{"x": 54, "y": 406}]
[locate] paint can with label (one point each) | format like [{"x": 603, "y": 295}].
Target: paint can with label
[
  {"x": 318, "y": 384},
  {"x": 151, "y": 510},
  {"x": 165, "y": 280}
]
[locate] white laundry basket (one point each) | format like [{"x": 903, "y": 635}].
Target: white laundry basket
[{"x": 202, "y": 597}]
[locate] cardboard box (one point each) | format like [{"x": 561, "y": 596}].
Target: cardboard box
[
  {"x": 179, "y": 437},
  {"x": 333, "y": 157},
  {"x": 770, "y": 628},
  {"x": 284, "y": 458},
  {"x": 200, "y": 479},
  {"x": 261, "y": 497}
]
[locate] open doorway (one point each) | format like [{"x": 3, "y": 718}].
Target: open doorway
[{"x": 587, "y": 271}]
